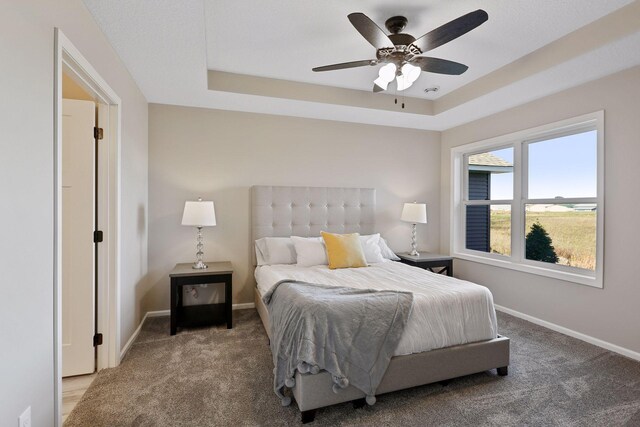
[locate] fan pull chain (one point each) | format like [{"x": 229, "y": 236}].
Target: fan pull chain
[{"x": 396, "y": 99}]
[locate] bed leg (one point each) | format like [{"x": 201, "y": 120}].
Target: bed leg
[
  {"x": 359, "y": 403},
  {"x": 503, "y": 371},
  {"x": 308, "y": 416}
]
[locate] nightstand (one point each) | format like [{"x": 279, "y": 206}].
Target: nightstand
[
  {"x": 204, "y": 314},
  {"x": 441, "y": 264}
]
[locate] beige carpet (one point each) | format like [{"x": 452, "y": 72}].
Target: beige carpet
[{"x": 220, "y": 377}]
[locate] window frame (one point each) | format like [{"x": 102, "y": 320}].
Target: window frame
[
  {"x": 520, "y": 142},
  {"x": 468, "y": 202}
]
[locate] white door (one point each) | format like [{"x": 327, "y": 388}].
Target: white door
[{"x": 78, "y": 300}]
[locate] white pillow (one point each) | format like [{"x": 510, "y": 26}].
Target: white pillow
[
  {"x": 310, "y": 251},
  {"x": 275, "y": 250},
  {"x": 386, "y": 251},
  {"x": 371, "y": 248}
]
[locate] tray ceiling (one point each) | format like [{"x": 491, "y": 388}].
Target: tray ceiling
[{"x": 169, "y": 46}]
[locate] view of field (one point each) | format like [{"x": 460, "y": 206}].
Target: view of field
[{"x": 573, "y": 235}]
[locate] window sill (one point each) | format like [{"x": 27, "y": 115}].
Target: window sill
[{"x": 594, "y": 281}]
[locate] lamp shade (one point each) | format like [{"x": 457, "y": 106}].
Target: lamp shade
[
  {"x": 409, "y": 74},
  {"x": 415, "y": 213},
  {"x": 199, "y": 214}
]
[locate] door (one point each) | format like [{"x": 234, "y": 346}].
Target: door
[{"x": 78, "y": 216}]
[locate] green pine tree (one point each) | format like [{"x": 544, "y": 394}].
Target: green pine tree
[{"x": 539, "y": 246}]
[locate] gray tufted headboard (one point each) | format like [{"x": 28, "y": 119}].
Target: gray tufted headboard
[{"x": 305, "y": 211}]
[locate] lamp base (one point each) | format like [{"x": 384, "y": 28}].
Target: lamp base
[
  {"x": 199, "y": 265},
  {"x": 414, "y": 250}
]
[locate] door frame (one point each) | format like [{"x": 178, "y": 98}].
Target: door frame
[{"x": 68, "y": 58}]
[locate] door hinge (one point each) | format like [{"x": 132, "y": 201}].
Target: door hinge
[
  {"x": 97, "y": 236},
  {"x": 97, "y": 133},
  {"x": 97, "y": 340}
]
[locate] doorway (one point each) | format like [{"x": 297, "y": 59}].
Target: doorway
[
  {"x": 79, "y": 220},
  {"x": 86, "y": 200}
]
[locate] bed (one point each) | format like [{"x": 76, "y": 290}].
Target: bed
[{"x": 451, "y": 349}]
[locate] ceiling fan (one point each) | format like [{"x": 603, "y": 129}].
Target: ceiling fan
[{"x": 401, "y": 52}]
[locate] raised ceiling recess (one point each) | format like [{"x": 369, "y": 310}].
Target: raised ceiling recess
[{"x": 236, "y": 55}]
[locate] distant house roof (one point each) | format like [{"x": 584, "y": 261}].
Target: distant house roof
[{"x": 487, "y": 162}]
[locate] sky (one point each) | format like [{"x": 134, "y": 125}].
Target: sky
[{"x": 560, "y": 167}]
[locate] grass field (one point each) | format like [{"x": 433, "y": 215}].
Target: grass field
[{"x": 573, "y": 235}]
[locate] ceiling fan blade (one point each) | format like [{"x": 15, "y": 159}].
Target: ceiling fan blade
[
  {"x": 440, "y": 66},
  {"x": 377, "y": 88},
  {"x": 344, "y": 65},
  {"x": 451, "y": 30},
  {"x": 370, "y": 30}
]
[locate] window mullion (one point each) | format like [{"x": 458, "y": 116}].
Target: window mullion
[
  {"x": 563, "y": 201},
  {"x": 517, "y": 207},
  {"x": 465, "y": 177},
  {"x": 488, "y": 202},
  {"x": 460, "y": 237}
]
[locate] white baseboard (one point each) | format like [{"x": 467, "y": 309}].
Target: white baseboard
[
  {"x": 245, "y": 306},
  {"x": 134, "y": 335},
  {"x": 160, "y": 313},
  {"x": 591, "y": 340}
]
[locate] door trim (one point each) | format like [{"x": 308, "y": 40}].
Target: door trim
[{"x": 68, "y": 57}]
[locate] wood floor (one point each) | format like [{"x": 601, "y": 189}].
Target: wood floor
[{"x": 73, "y": 389}]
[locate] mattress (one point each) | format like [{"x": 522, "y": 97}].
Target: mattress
[{"x": 446, "y": 311}]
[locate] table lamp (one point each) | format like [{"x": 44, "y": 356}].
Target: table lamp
[
  {"x": 415, "y": 213},
  {"x": 199, "y": 214}
]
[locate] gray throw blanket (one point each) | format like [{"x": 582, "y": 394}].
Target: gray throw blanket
[{"x": 350, "y": 333}]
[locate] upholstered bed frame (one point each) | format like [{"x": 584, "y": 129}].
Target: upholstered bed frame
[{"x": 305, "y": 211}]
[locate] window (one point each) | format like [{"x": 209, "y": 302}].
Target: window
[
  {"x": 489, "y": 183},
  {"x": 532, "y": 200}
]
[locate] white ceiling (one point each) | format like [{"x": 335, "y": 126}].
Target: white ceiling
[
  {"x": 168, "y": 45},
  {"x": 285, "y": 39}
]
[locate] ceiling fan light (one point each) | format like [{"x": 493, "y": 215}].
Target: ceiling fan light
[
  {"x": 387, "y": 73},
  {"x": 403, "y": 82},
  {"x": 411, "y": 72},
  {"x": 380, "y": 82}
]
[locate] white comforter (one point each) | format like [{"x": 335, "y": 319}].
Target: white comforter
[{"x": 446, "y": 311}]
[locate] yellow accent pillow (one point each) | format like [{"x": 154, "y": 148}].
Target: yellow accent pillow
[{"x": 344, "y": 250}]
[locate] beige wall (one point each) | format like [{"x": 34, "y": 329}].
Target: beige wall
[
  {"x": 610, "y": 314},
  {"x": 219, "y": 155},
  {"x": 26, "y": 190}
]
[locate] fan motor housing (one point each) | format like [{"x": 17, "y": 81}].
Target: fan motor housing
[{"x": 402, "y": 39}]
